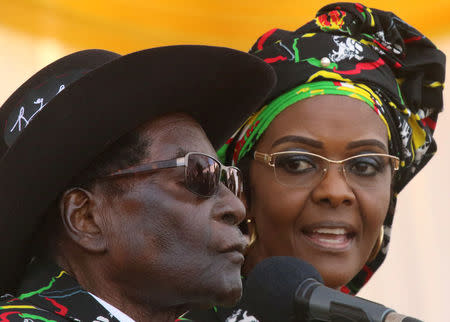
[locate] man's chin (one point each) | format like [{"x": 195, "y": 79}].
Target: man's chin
[
  {"x": 221, "y": 293},
  {"x": 230, "y": 295}
]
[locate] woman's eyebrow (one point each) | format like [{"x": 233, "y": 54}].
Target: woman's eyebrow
[
  {"x": 298, "y": 139},
  {"x": 373, "y": 142}
]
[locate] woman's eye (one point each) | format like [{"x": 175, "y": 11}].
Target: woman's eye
[
  {"x": 365, "y": 166},
  {"x": 294, "y": 164}
]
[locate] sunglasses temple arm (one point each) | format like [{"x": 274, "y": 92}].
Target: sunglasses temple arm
[{"x": 149, "y": 167}]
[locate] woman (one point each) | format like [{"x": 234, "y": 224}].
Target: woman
[{"x": 322, "y": 169}]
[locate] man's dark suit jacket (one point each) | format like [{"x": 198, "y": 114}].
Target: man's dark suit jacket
[{"x": 48, "y": 293}]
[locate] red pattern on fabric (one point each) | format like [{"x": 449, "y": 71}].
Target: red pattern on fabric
[
  {"x": 369, "y": 273},
  {"x": 4, "y": 315},
  {"x": 12, "y": 300},
  {"x": 380, "y": 45},
  {"x": 345, "y": 289},
  {"x": 62, "y": 309},
  {"x": 375, "y": 108},
  {"x": 323, "y": 21},
  {"x": 337, "y": 83},
  {"x": 264, "y": 37},
  {"x": 335, "y": 17},
  {"x": 359, "y": 7},
  {"x": 412, "y": 39},
  {"x": 397, "y": 65},
  {"x": 429, "y": 122},
  {"x": 274, "y": 59},
  {"x": 241, "y": 142},
  {"x": 361, "y": 66},
  {"x": 238, "y": 148}
]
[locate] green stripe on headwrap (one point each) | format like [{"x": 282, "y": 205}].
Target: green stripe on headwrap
[
  {"x": 254, "y": 127},
  {"x": 398, "y": 62}
]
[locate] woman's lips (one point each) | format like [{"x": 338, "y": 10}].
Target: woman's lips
[{"x": 330, "y": 238}]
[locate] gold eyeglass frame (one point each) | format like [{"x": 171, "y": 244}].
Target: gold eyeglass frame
[{"x": 269, "y": 159}]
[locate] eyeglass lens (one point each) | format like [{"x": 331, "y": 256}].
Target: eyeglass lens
[
  {"x": 203, "y": 176},
  {"x": 306, "y": 170}
]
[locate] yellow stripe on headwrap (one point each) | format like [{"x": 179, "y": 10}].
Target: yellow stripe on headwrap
[
  {"x": 372, "y": 20},
  {"x": 418, "y": 134},
  {"x": 328, "y": 75},
  {"x": 311, "y": 34},
  {"x": 256, "y": 125},
  {"x": 435, "y": 84}
]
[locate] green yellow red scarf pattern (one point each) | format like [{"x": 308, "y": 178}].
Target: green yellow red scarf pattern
[
  {"x": 256, "y": 124},
  {"x": 371, "y": 55}
]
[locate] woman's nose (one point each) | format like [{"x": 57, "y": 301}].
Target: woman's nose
[{"x": 333, "y": 189}]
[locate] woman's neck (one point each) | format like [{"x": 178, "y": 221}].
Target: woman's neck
[{"x": 253, "y": 256}]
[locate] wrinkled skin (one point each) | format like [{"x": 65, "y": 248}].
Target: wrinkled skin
[
  {"x": 157, "y": 247},
  {"x": 283, "y": 216}
]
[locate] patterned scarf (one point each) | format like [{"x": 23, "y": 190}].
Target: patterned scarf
[
  {"x": 256, "y": 125},
  {"x": 368, "y": 54}
]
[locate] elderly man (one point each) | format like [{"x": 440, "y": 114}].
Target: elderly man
[{"x": 110, "y": 192}]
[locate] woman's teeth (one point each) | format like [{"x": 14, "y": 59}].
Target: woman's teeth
[
  {"x": 335, "y": 231},
  {"x": 330, "y": 238}
]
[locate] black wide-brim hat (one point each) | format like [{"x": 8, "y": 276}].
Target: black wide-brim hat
[{"x": 56, "y": 123}]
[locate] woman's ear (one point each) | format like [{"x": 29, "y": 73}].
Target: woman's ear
[
  {"x": 82, "y": 220},
  {"x": 250, "y": 224}
]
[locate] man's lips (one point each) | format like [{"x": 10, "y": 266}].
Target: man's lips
[
  {"x": 330, "y": 236},
  {"x": 235, "y": 257},
  {"x": 235, "y": 252}
]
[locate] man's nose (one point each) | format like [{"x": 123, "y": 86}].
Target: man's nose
[{"x": 229, "y": 207}]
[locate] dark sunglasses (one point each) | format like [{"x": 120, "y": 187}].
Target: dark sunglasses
[{"x": 202, "y": 173}]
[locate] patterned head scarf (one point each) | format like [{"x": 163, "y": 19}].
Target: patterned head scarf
[{"x": 370, "y": 55}]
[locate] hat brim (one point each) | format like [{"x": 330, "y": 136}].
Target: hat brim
[{"x": 219, "y": 87}]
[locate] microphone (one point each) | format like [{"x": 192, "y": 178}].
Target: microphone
[{"x": 286, "y": 289}]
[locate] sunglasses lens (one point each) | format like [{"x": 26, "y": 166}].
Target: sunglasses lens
[
  {"x": 202, "y": 174},
  {"x": 231, "y": 177}
]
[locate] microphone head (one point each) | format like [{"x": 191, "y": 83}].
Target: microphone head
[{"x": 270, "y": 287}]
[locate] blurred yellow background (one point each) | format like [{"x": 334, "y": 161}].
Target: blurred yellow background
[
  {"x": 126, "y": 26},
  {"x": 415, "y": 277}
]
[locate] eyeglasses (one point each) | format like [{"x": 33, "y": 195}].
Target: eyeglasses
[
  {"x": 202, "y": 173},
  {"x": 304, "y": 169}
]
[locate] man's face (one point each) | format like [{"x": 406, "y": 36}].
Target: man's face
[{"x": 167, "y": 245}]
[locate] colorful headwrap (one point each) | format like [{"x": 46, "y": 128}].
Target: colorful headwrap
[{"x": 367, "y": 54}]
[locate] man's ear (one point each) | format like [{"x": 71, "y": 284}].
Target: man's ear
[{"x": 82, "y": 220}]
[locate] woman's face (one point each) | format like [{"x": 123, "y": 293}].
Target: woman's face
[{"x": 331, "y": 224}]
